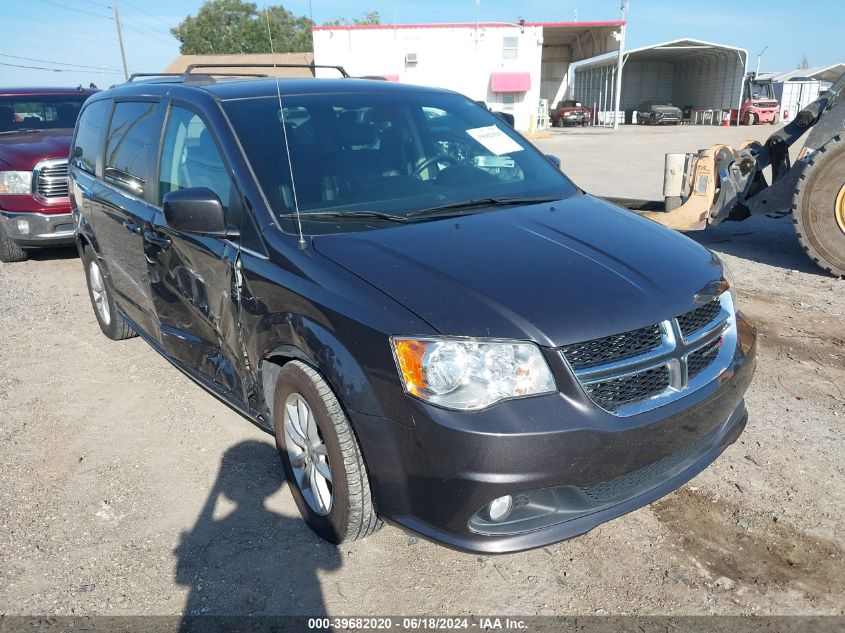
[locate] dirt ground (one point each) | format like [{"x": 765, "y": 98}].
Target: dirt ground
[{"x": 126, "y": 489}]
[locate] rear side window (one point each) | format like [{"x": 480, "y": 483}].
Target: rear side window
[
  {"x": 89, "y": 135},
  {"x": 127, "y": 150},
  {"x": 189, "y": 158}
]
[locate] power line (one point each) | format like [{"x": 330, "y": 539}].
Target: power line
[
  {"x": 64, "y": 6},
  {"x": 55, "y": 70},
  {"x": 50, "y": 61},
  {"x": 154, "y": 17},
  {"x": 140, "y": 24},
  {"x": 140, "y": 32}
]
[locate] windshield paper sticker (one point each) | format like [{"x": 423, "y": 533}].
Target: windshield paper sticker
[{"x": 494, "y": 140}]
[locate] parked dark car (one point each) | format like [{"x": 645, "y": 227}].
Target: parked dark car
[
  {"x": 655, "y": 113},
  {"x": 569, "y": 113},
  {"x": 441, "y": 329},
  {"x": 35, "y": 129}
]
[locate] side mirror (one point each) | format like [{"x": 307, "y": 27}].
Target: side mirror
[
  {"x": 554, "y": 160},
  {"x": 507, "y": 117},
  {"x": 195, "y": 210}
]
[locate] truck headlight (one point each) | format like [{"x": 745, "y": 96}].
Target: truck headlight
[
  {"x": 15, "y": 182},
  {"x": 467, "y": 374}
]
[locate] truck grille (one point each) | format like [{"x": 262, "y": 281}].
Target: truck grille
[
  {"x": 49, "y": 178},
  {"x": 639, "y": 370}
]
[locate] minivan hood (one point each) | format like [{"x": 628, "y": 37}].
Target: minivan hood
[
  {"x": 23, "y": 151},
  {"x": 555, "y": 274}
]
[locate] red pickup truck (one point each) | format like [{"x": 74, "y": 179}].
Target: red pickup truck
[{"x": 36, "y": 125}]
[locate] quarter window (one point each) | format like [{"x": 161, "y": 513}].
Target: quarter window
[
  {"x": 127, "y": 150},
  {"x": 89, "y": 134},
  {"x": 189, "y": 158},
  {"x": 510, "y": 47}
]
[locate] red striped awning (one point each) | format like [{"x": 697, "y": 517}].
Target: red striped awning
[{"x": 510, "y": 82}]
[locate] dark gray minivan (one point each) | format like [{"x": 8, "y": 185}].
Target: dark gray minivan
[{"x": 439, "y": 327}]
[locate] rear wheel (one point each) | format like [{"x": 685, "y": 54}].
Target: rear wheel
[
  {"x": 9, "y": 250},
  {"x": 109, "y": 318},
  {"x": 818, "y": 207},
  {"x": 321, "y": 457}
]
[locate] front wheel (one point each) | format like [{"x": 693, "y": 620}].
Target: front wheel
[
  {"x": 9, "y": 250},
  {"x": 818, "y": 207},
  {"x": 749, "y": 118},
  {"x": 109, "y": 318},
  {"x": 321, "y": 457}
]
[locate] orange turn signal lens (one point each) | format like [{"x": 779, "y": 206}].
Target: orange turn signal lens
[{"x": 409, "y": 354}]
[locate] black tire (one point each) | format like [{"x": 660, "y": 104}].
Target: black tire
[
  {"x": 111, "y": 321},
  {"x": 559, "y": 123},
  {"x": 9, "y": 250},
  {"x": 352, "y": 515},
  {"x": 818, "y": 198},
  {"x": 749, "y": 119}
]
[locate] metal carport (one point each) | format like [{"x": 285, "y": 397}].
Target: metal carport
[{"x": 685, "y": 72}]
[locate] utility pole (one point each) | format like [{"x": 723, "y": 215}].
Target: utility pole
[
  {"x": 619, "y": 64},
  {"x": 120, "y": 39},
  {"x": 759, "y": 55}
]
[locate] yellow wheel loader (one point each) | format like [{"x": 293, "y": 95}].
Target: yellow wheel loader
[{"x": 723, "y": 183}]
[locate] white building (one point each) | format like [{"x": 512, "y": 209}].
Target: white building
[
  {"x": 796, "y": 89},
  {"x": 510, "y": 66}
]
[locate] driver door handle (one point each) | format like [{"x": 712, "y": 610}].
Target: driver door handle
[
  {"x": 132, "y": 227},
  {"x": 157, "y": 239}
]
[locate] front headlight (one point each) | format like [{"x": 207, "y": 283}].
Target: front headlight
[
  {"x": 728, "y": 277},
  {"x": 15, "y": 182},
  {"x": 467, "y": 374}
]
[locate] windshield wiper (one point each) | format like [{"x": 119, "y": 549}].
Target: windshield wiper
[
  {"x": 456, "y": 208},
  {"x": 321, "y": 215},
  {"x": 23, "y": 130}
]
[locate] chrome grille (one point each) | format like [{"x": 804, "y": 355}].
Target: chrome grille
[
  {"x": 49, "y": 178},
  {"x": 694, "y": 320},
  {"x": 642, "y": 369},
  {"x": 613, "y": 348}
]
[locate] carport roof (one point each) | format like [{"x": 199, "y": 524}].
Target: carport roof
[
  {"x": 821, "y": 73},
  {"x": 585, "y": 39},
  {"x": 674, "y": 50}
]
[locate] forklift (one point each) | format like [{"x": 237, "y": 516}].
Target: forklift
[{"x": 723, "y": 183}]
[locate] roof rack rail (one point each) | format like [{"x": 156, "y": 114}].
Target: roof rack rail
[
  {"x": 190, "y": 69},
  {"x": 135, "y": 76}
]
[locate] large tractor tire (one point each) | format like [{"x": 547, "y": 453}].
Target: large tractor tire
[{"x": 818, "y": 207}]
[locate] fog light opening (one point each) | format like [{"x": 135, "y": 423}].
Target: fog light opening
[
  {"x": 500, "y": 508},
  {"x": 23, "y": 227}
]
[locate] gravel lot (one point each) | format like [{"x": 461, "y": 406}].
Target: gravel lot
[{"x": 129, "y": 490}]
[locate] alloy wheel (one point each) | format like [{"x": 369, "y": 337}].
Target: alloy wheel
[
  {"x": 308, "y": 454},
  {"x": 99, "y": 292}
]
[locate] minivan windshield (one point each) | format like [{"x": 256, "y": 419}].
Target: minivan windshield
[
  {"x": 388, "y": 156},
  {"x": 39, "y": 112}
]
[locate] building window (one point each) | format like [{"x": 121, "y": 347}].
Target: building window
[
  {"x": 508, "y": 99},
  {"x": 510, "y": 47}
]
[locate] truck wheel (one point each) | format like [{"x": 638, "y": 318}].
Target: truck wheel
[
  {"x": 109, "y": 318},
  {"x": 749, "y": 118},
  {"x": 9, "y": 250},
  {"x": 321, "y": 457},
  {"x": 818, "y": 207}
]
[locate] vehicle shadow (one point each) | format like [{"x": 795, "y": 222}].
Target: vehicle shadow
[
  {"x": 761, "y": 239},
  {"x": 47, "y": 254},
  {"x": 251, "y": 561}
]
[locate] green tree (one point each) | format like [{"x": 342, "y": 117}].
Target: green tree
[
  {"x": 368, "y": 17},
  {"x": 225, "y": 27}
]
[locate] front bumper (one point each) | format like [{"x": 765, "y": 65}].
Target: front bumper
[
  {"x": 433, "y": 478},
  {"x": 38, "y": 229}
]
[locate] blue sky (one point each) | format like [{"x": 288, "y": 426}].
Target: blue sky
[{"x": 79, "y": 32}]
